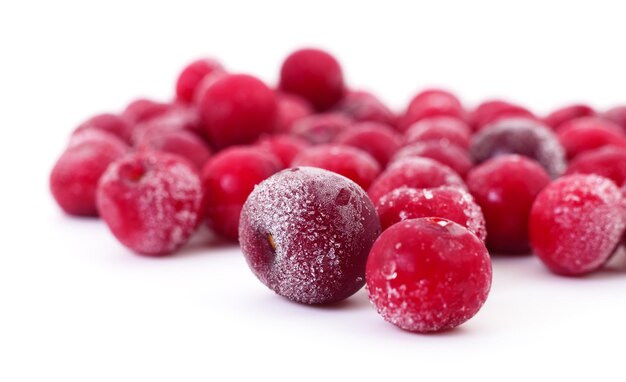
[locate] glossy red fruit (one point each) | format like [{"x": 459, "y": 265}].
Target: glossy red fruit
[
  {"x": 306, "y": 234},
  {"x": 441, "y": 151},
  {"x": 431, "y": 103},
  {"x": 377, "y": 139},
  {"x": 428, "y": 275},
  {"x": 238, "y": 109},
  {"x": 617, "y": 115},
  {"x": 609, "y": 162},
  {"x": 321, "y": 128},
  {"x": 354, "y": 164},
  {"x": 290, "y": 109},
  {"x": 452, "y": 203},
  {"x": 566, "y": 114},
  {"x": 180, "y": 142},
  {"x": 151, "y": 202},
  {"x": 314, "y": 75},
  {"x": 74, "y": 178},
  {"x": 505, "y": 188},
  {"x": 584, "y": 137},
  {"x": 284, "y": 147},
  {"x": 363, "y": 106},
  {"x": 520, "y": 136},
  {"x": 205, "y": 84},
  {"x": 192, "y": 75},
  {"x": 576, "y": 223},
  {"x": 228, "y": 178},
  {"x": 413, "y": 173},
  {"x": 443, "y": 128},
  {"x": 109, "y": 123},
  {"x": 490, "y": 112},
  {"x": 142, "y": 110}
]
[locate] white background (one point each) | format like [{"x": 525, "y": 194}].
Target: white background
[{"x": 77, "y": 306}]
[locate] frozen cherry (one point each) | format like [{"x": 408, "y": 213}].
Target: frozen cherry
[
  {"x": 379, "y": 140},
  {"x": 609, "y": 162},
  {"x": 441, "y": 151},
  {"x": 192, "y": 75},
  {"x": 589, "y": 123},
  {"x": 74, "y": 178},
  {"x": 180, "y": 142},
  {"x": 142, "y": 110},
  {"x": 521, "y": 136},
  {"x": 442, "y": 128},
  {"x": 585, "y": 135},
  {"x": 413, "y": 172},
  {"x": 354, "y": 164},
  {"x": 306, "y": 234},
  {"x": 314, "y": 75},
  {"x": 505, "y": 188},
  {"x": 430, "y": 103},
  {"x": 176, "y": 119},
  {"x": 205, "y": 84},
  {"x": 290, "y": 109},
  {"x": 321, "y": 128},
  {"x": 238, "y": 109},
  {"x": 568, "y": 113},
  {"x": 617, "y": 115},
  {"x": 284, "y": 147},
  {"x": 491, "y": 111},
  {"x": 151, "y": 201},
  {"x": 452, "y": 203},
  {"x": 428, "y": 275},
  {"x": 228, "y": 178},
  {"x": 576, "y": 223},
  {"x": 363, "y": 106},
  {"x": 110, "y": 123}
]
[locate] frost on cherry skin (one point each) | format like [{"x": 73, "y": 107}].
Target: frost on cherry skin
[
  {"x": 428, "y": 274},
  {"x": 306, "y": 234},
  {"x": 151, "y": 201},
  {"x": 576, "y": 223}
]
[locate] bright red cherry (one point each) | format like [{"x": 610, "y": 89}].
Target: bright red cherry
[
  {"x": 566, "y": 114},
  {"x": 192, "y": 76},
  {"x": 377, "y": 139}
]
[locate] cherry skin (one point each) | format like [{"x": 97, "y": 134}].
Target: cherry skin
[
  {"x": 306, "y": 234},
  {"x": 442, "y": 128},
  {"x": 589, "y": 123},
  {"x": 238, "y": 109},
  {"x": 490, "y": 112},
  {"x": 142, "y": 110},
  {"x": 585, "y": 136},
  {"x": 617, "y": 115},
  {"x": 110, "y": 123},
  {"x": 505, "y": 188},
  {"x": 192, "y": 75},
  {"x": 609, "y": 162},
  {"x": 377, "y": 139},
  {"x": 452, "y": 203},
  {"x": 74, "y": 178},
  {"x": 151, "y": 201},
  {"x": 321, "y": 128},
  {"x": 441, "y": 151},
  {"x": 428, "y": 275},
  {"x": 363, "y": 106},
  {"x": 354, "y": 164},
  {"x": 413, "y": 173},
  {"x": 431, "y": 103},
  {"x": 284, "y": 147},
  {"x": 314, "y": 75},
  {"x": 566, "y": 114},
  {"x": 179, "y": 142},
  {"x": 576, "y": 223},
  {"x": 228, "y": 178},
  {"x": 178, "y": 118},
  {"x": 290, "y": 109}
]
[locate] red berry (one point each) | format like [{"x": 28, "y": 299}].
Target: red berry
[
  {"x": 110, "y": 123},
  {"x": 142, "y": 110},
  {"x": 151, "y": 202},
  {"x": 568, "y": 113},
  {"x": 290, "y": 109},
  {"x": 90, "y": 134},
  {"x": 442, "y": 128},
  {"x": 491, "y": 111},
  {"x": 74, "y": 178},
  {"x": 617, "y": 115},
  {"x": 609, "y": 162},
  {"x": 452, "y": 203},
  {"x": 431, "y": 103},
  {"x": 321, "y": 128},
  {"x": 306, "y": 234},
  {"x": 363, "y": 106},
  {"x": 576, "y": 223},
  {"x": 238, "y": 109},
  {"x": 192, "y": 75},
  {"x": 428, "y": 275},
  {"x": 284, "y": 147},
  {"x": 377, "y": 139},
  {"x": 354, "y": 164},
  {"x": 205, "y": 84},
  {"x": 315, "y": 76},
  {"x": 413, "y": 173},
  {"x": 588, "y": 135},
  {"x": 443, "y": 152},
  {"x": 505, "y": 188},
  {"x": 520, "y": 136},
  {"x": 180, "y": 142},
  {"x": 228, "y": 178},
  {"x": 589, "y": 123},
  {"x": 176, "y": 119}
]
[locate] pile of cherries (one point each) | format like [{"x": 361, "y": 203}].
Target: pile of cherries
[{"x": 327, "y": 189}]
